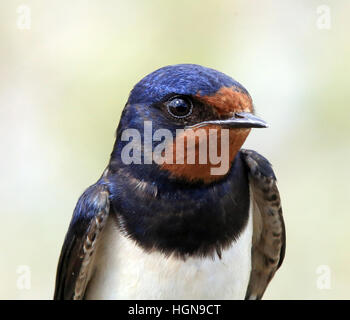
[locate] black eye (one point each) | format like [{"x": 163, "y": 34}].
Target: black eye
[{"x": 179, "y": 107}]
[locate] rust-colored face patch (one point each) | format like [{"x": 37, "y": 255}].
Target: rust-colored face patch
[
  {"x": 228, "y": 100},
  {"x": 201, "y": 171}
]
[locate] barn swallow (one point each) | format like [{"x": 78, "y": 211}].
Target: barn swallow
[{"x": 174, "y": 229}]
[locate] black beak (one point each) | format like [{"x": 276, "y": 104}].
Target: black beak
[{"x": 239, "y": 120}]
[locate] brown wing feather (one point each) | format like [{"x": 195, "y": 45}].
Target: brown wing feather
[
  {"x": 269, "y": 238},
  {"x": 76, "y": 261}
]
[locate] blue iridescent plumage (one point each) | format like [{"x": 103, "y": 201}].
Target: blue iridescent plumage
[{"x": 187, "y": 79}]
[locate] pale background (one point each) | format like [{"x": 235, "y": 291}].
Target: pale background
[{"x": 65, "y": 81}]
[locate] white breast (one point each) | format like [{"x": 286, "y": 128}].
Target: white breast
[{"x": 126, "y": 271}]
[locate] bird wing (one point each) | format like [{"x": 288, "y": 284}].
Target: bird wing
[
  {"x": 75, "y": 265},
  {"x": 269, "y": 237}
]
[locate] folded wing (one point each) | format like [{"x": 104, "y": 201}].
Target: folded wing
[
  {"x": 76, "y": 261},
  {"x": 269, "y": 238}
]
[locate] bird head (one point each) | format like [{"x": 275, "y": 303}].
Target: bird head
[{"x": 178, "y": 109}]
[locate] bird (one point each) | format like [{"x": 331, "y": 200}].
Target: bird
[{"x": 155, "y": 228}]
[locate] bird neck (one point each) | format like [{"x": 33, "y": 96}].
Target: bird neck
[{"x": 174, "y": 216}]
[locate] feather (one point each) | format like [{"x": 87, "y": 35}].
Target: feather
[
  {"x": 76, "y": 261},
  {"x": 269, "y": 239}
]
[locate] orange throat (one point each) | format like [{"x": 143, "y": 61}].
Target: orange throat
[{"x": 203, "y": 154}]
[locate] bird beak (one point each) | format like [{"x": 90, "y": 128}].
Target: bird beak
[{"x": 239, "y": 120}]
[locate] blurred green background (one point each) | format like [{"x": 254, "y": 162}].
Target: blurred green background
[{"x": 65, "y": 81}]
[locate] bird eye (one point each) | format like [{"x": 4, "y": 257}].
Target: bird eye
[{"x": 179, "y": 107}]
